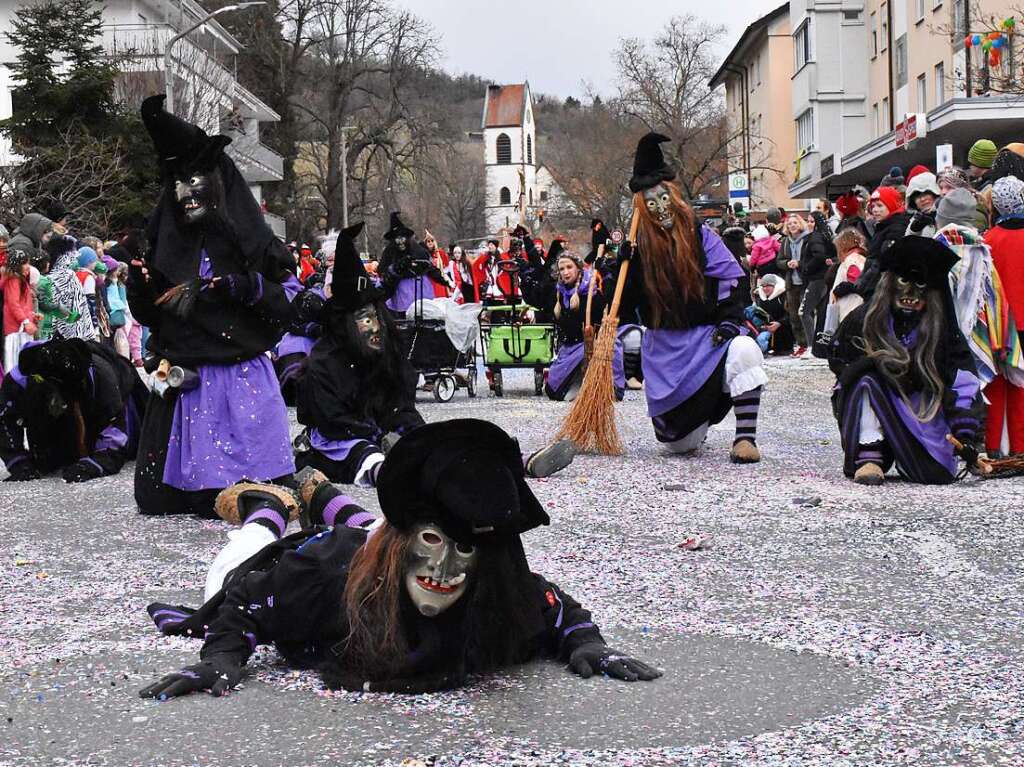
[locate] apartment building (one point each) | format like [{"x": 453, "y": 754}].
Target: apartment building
[
  {"x": 757, "y": 77},
  {"x": 205, "y": 87},
  {"x": 921, "y": 93}
]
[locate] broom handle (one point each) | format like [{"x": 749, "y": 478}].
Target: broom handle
[
  {"x": 613, "y": 314},
  {"x": 593, "y": 280}
]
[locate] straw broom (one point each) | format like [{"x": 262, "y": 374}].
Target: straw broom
[
  {"x": 591, "y": 421},
  {"x": 991, "y": 468}
]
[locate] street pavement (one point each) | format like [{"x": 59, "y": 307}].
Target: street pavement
[{"x": 826, "y": 624}]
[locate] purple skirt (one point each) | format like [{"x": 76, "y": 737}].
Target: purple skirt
[
  {"x": 570, "y": 357},
  {"x": 292, "y": 343},
  {"x": 676, "y": 364},
  {"x": 405, "y": 293},
  {"x": 233, "y": 426}
]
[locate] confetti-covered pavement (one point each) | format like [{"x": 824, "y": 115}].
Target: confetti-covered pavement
[{"x": 827, "y": 624}]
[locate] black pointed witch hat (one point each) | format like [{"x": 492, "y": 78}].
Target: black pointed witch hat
[
  {"x": 398, "y": 229},
  {"x": 649, "y": 166},
  {"x": 351, "y": 285},
  {"x": 920, "y": 259},
  {"x": 180, "y": 144}
]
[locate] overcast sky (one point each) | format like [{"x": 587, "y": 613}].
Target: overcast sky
[{"x": 559, "y": 44}]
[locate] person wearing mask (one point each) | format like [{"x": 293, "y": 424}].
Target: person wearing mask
[
  {"x": 789, "y": 265},
  {"x": 922, "y": 194}
]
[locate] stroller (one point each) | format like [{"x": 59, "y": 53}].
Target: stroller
[
  {"x": 426, "y": 344},
  {"x": 510, "y": 342}
]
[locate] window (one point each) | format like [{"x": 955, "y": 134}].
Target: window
[
  {"x": 757, "y": 69},
  {"x": 901, "y": 61},
  {"x": 851, "y": 16},
  {"x": 530, "y": 196},
  {"x": 504, "y": 196},
  {"x": 876, "y": 127},
  {"x": 543, "y": 195},
  {"x": 922, "y": 93},
  {"x": 529, "y": 150},
  {"x": 802, "y": 44},
  {"x": 919, "y": 10},
  {"x": 805, "y": 130},
  {"x": 883, "y": 14},
  {"x": 874, "y": 35},
  {"x": 959, "y": 32},
  {"x": 504, "y": 149},
  {"x": 886, "y": 127},
  {"x": 940, "y": 83}
]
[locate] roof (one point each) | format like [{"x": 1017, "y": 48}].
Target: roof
[
  {"x": 748, "y": 35},
  {"x": 505, "y": 105}
]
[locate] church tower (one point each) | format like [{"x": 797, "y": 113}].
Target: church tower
[{"x": 510, "y": 155}]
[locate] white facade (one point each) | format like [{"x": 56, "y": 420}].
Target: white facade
[
  {"x": 830, "y": 86},
  {"x": 510, "y": 155},
  {"x": 206, "y": 91}
]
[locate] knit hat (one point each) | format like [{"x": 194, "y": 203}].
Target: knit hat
[
  {"x": 1007, "y": 163},
  {"x": 893, "y": 178},
  {"x": 1008, "y": 196},
  {"x": 16, "y": 259},
  {"x": 958, "y": 207},
  {"x": 982, "y": 153},
  {"x": 86, "y": 257},
  {"x": 773, "y": 215},
  {"x": 919, "y": 184},
  {"x": 889, "y": 197},
  {"x": 915, "y": 171},
  {"x": 760, "y": 232},
  {"x": 848, "y": 205},
  {"x": 110, "y": 262},
  {"x": 100, "y": 268},
  {"x": 954, "y": 177}
]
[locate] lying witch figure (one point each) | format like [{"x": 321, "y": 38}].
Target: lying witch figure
[
  {"x": 687, "y": 289},
  {"x": 905, "y": 375},
  {"x": 437, "y": 590}
]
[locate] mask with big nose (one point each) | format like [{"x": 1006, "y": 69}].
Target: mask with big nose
[
  {"x": 437, "y": 570},
  {"x": 194, "y": 196},
  {"x": 659, "y": 205}
]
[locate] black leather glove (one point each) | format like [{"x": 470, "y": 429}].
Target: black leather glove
[
  {"x": 595, "y": 658},
  {"x": 217, "y": 674},
  {"x": 23, "y": 471},
  {"x": 82, "y": 470},
  {"x": 625, "y": 251},
  {"x": 844, "y": 289},
  {"x": 240, "y": 287},
  {"x": 969, "y": 453},
  {"x": 726, "y": 331}
]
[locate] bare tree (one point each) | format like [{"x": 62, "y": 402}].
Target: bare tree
[{"x": 664, "y": 85}]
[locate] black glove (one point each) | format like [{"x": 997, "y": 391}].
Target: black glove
[
  {"x": 593, "y": 657},
  {"x": 844, "y": 289},
  {"x": 217, "y": 674},
  {"x": 23, "y": 471},
  {"x": 82, "y": 470},
  {"x": 521, "y": 232},
  {"x": 625, "y": 251},
  {"x": 138, "y": 272},
  {"x": 308, "y": 307},
  {"x": 969, "y": 453},
  {"x": 726, "y": 331},
  {"x": 240, "y": 287}
]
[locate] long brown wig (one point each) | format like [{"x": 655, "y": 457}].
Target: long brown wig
[
  {"x": 672, "y": 274},
  {"x": 894, "y": 360}
]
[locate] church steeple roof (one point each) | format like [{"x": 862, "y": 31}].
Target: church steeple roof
[{"x": 505, "y": 105}]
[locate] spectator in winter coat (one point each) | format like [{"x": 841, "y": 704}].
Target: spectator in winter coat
[
  {"x": 32, "y": 234},
  {"x": 71, "y": 307},
  {"x": 20, "y": 317},
  {"x": 891, "y": 221},
  {"x": 817, "y": 256},
  {"x": 979, "y": 163},
  {"x": 775, "y": 336},
  {"x": 922, "y": 194},
  {"x": 1006, "y": 239},
  {"x": 764, "y": 252},
  {"x": 851, "y": 250},
  {"x": 788, "y": 262}
]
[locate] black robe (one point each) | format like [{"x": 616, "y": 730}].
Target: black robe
[{"x": 290, "y": 595}]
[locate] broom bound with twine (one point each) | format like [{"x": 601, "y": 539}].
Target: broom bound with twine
[{"x": 590, "y": 423}]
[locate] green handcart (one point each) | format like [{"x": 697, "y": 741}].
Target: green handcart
[{"x": 515, "y": 344}]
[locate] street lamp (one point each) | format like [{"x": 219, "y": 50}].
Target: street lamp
[{"x": 168, "y": 73}]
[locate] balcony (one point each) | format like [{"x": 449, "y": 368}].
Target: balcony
[
  {"x": 276, "y": 224},
  {"x": 257, "y": 162}
]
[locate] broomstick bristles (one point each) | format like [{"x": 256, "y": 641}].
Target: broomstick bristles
[{"x": 590, "y": 423}]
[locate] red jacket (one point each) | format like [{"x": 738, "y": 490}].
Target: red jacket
[
  {"x": 1007, "y": 243},
  {"x": 485, "y": 277},
  {"x": 441, "y": 261},
  {"x": 17, "y": 302}
]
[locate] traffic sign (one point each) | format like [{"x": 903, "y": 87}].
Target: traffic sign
[{"x": 616, "y": 236}]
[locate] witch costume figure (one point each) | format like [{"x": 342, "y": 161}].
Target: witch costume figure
[
  {"x": 79, "y": 405},
  {"x": 406, "y": 268},
  {"x": 905, "y": 375},
  {"x": 357, "y": 393},
  {"x": 215, "y": 291},
  {"x": 689, "y": 293},
  {"x": 436, "y": 591},
  {"x": 568, "y": 293}
]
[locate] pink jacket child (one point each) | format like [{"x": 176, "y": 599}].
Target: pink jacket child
[{"x": 765, "y": 247}]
